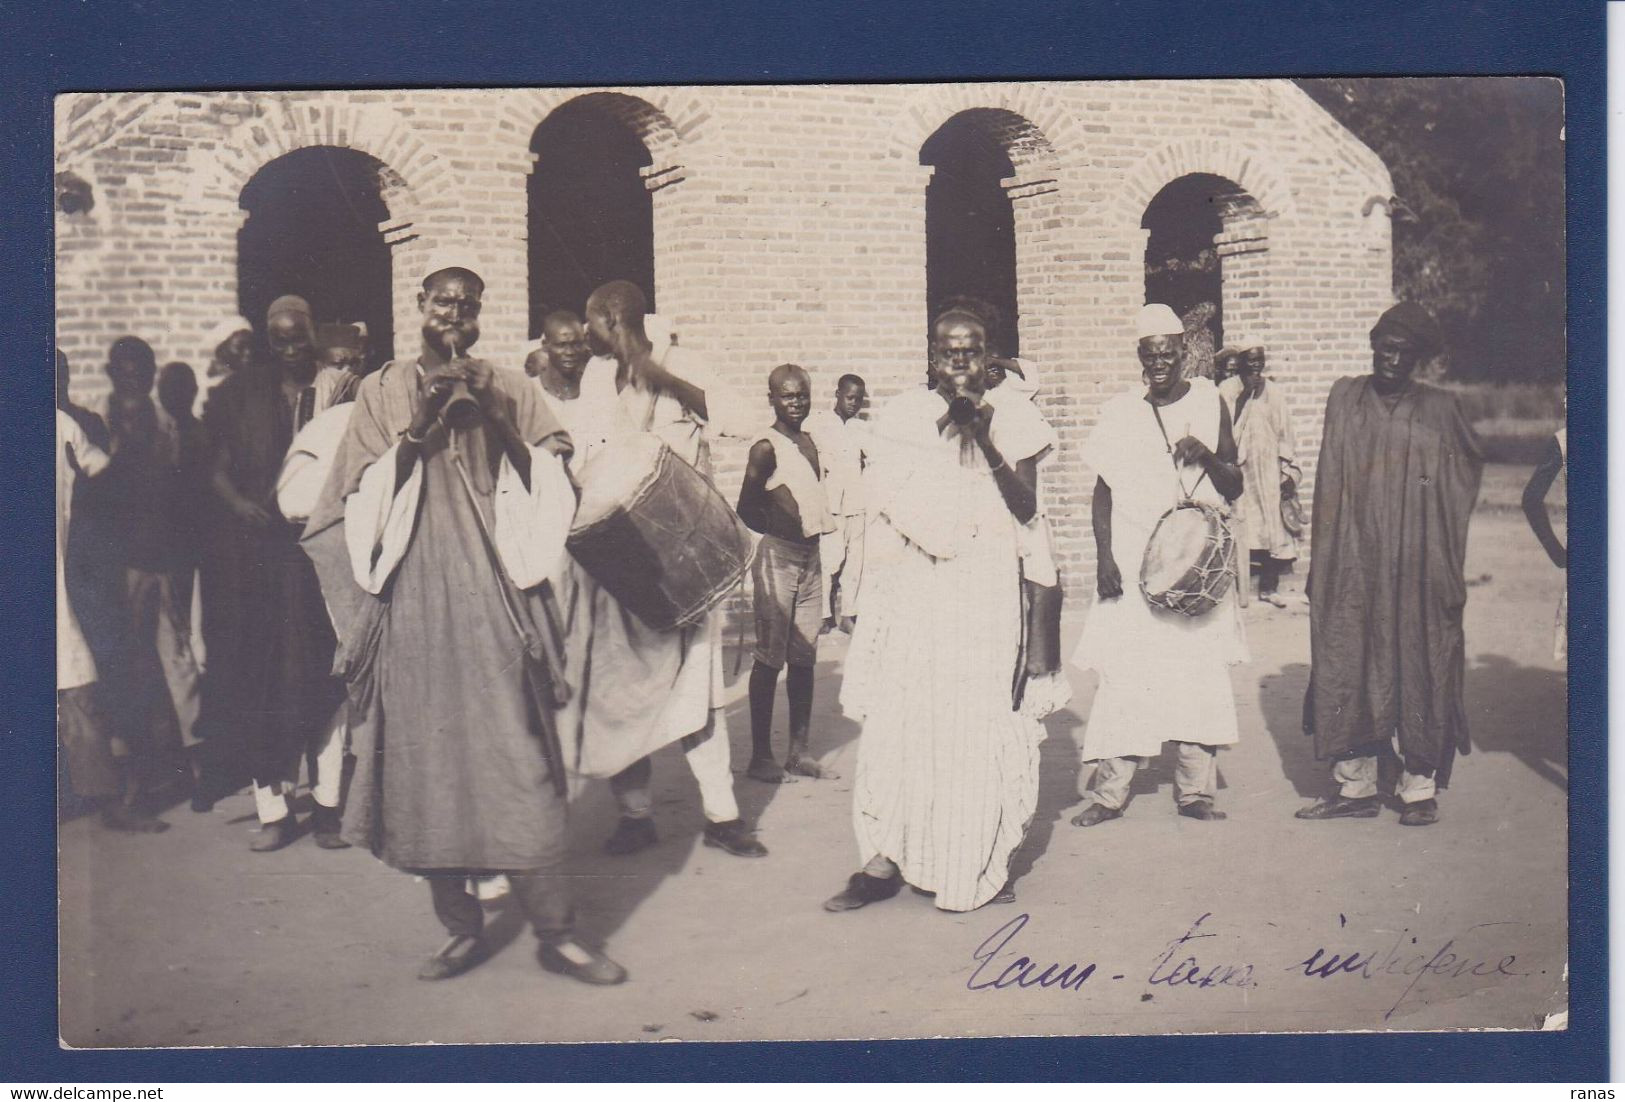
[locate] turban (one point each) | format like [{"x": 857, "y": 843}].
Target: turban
[
  {"x": 223, "y": 332},
  {"x": 1158, "y": 320},
  {"x": 289, "y": 304},
  {"x": 338, "y": 335},
  {"x": 1408, "y": 320},
  {"x": 454, "y": 257}
]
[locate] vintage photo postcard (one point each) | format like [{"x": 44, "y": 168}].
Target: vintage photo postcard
[{"x": 811, "y": 562}]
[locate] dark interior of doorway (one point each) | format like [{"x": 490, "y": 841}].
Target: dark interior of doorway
[
  {"x": 1181, "y": 261},
  {"x": 970, "y": 228},
  {"x": 313, "y": 230},
  {"x": 591, "y": 216}
]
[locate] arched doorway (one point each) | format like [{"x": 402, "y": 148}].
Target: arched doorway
[
  {"x": 590, "y": 213},
  {"x": 1200, "y": 231},
  {"x": 970, "y": 224},
  {"x": 313, "y": 230}
]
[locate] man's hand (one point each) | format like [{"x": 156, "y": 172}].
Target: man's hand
[
  {"x": 1108, "y": 579},
  {"x": 435, "y": 387},
  {"x": 1289, "y": 488},
  {"x": 982, "y": 426},
  {"x": 1192, "y": 452},
  {"x": 480, "y": 376}
]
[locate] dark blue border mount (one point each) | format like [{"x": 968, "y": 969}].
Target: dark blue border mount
[{"x": 365, "y": 43}]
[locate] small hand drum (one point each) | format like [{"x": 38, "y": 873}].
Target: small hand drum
[{"x": 1190, "y": 560}]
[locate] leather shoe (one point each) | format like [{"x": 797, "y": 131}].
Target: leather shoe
[
  {"x": 326, "y": 825},
  {"x": 1420, "y": 814},
  {"x": 862, "y": 890},
  {"x": 595, "y": 969},
  {"x": 1202, "y": 809},
  {"x": 453, "y": 958},
  {"x": 1095, "y": 814},
  {"x": 274, "y": 836},
  {"x": 732, "y": 837},
  {"x": 631, "y": 835},
  {"x": 1340, "y": 807}
]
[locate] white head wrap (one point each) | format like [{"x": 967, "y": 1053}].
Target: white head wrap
[{"x": 1157, "y": 319}]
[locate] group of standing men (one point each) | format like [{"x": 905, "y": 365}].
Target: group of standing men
[{"x": 389, "y": 574}]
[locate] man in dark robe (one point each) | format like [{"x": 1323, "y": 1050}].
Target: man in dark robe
[
  {"x": 1398, "y": 478},
  {"x": 438, "y": 538},
  {"x": 270, "y": 656}
]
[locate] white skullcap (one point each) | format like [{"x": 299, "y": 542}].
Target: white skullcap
[
  {"x": 1157, "y": 319},
  {"x": 223, "y": 332},
  {"x": 658, "y": 330},
  {"x": 453, "y": 256}
]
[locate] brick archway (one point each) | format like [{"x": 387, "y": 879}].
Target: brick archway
[
  {"x": 1249, "y": 169},
  {"x": 1246, "y": 260},
  {"x": 411, "y": 168},
  {"x": 666, "y": 122},
  {"x": 663, "y": 120},
  {"x": 1035, "y": 124},
  {"x": 1009, "y": 117}
]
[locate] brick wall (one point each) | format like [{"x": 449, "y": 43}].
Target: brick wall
[{"x": 789, "y": 225}]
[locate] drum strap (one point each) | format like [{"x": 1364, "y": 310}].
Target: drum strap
[{"x": 1157, "y": 413}]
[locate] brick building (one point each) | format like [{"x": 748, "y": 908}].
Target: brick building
[{"x": 808, "y": 223}]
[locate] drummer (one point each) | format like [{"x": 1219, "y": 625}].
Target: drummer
[
  {"x": 783, "y": 499},
  {"x": 1152, "y": 447},
  {"x": 652, "y": 688}
]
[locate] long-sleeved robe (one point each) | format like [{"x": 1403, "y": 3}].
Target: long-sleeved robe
[
  {"x": 452, "y": 770},
  {"x": 947, "y": 777},
  {"x": 1267, "y": 450},
  {"x": 270, "y": 680},
  {"x": 1393, "y": 494}
]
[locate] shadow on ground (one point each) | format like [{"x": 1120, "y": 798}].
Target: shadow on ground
[{"x": 1528, "y": 704}]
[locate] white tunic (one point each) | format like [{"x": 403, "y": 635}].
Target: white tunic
[
  {"x": 647, "y": 688},
  {"x": 1162, "y": 675},
  {"x": 840, "y": 453}
]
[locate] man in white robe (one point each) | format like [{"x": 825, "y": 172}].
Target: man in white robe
[
  {"x": 841, "y": 434},
  {"x": 947, "y": 775},
  {"x": 1151, "y": 448},
  {"x": 649, "y": 688}
]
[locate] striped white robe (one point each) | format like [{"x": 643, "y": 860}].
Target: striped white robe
[{"x": 947, "y": 777}]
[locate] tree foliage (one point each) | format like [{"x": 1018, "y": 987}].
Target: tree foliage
[{"x": 1477, "y": 165}]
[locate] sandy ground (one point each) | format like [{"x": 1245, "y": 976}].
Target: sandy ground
[{"x": 189, "y": 939}]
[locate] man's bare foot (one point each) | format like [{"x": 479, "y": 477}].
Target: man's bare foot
[
  {"x": 767, "y": 771},
  {"x": 806, "y": 767},
  {"x": 849, "y": 624}
]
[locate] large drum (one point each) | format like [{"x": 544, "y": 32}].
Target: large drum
[
  {"x": 654, "y": 532},
  {"x": 1190, "y": 560}
]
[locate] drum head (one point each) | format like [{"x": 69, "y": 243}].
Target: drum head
[
  {"x": 1178, "y": 544},
  {"x": 615, "y": 473}
]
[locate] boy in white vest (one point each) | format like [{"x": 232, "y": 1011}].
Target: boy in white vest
[{"x": 783, "y": 499}]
